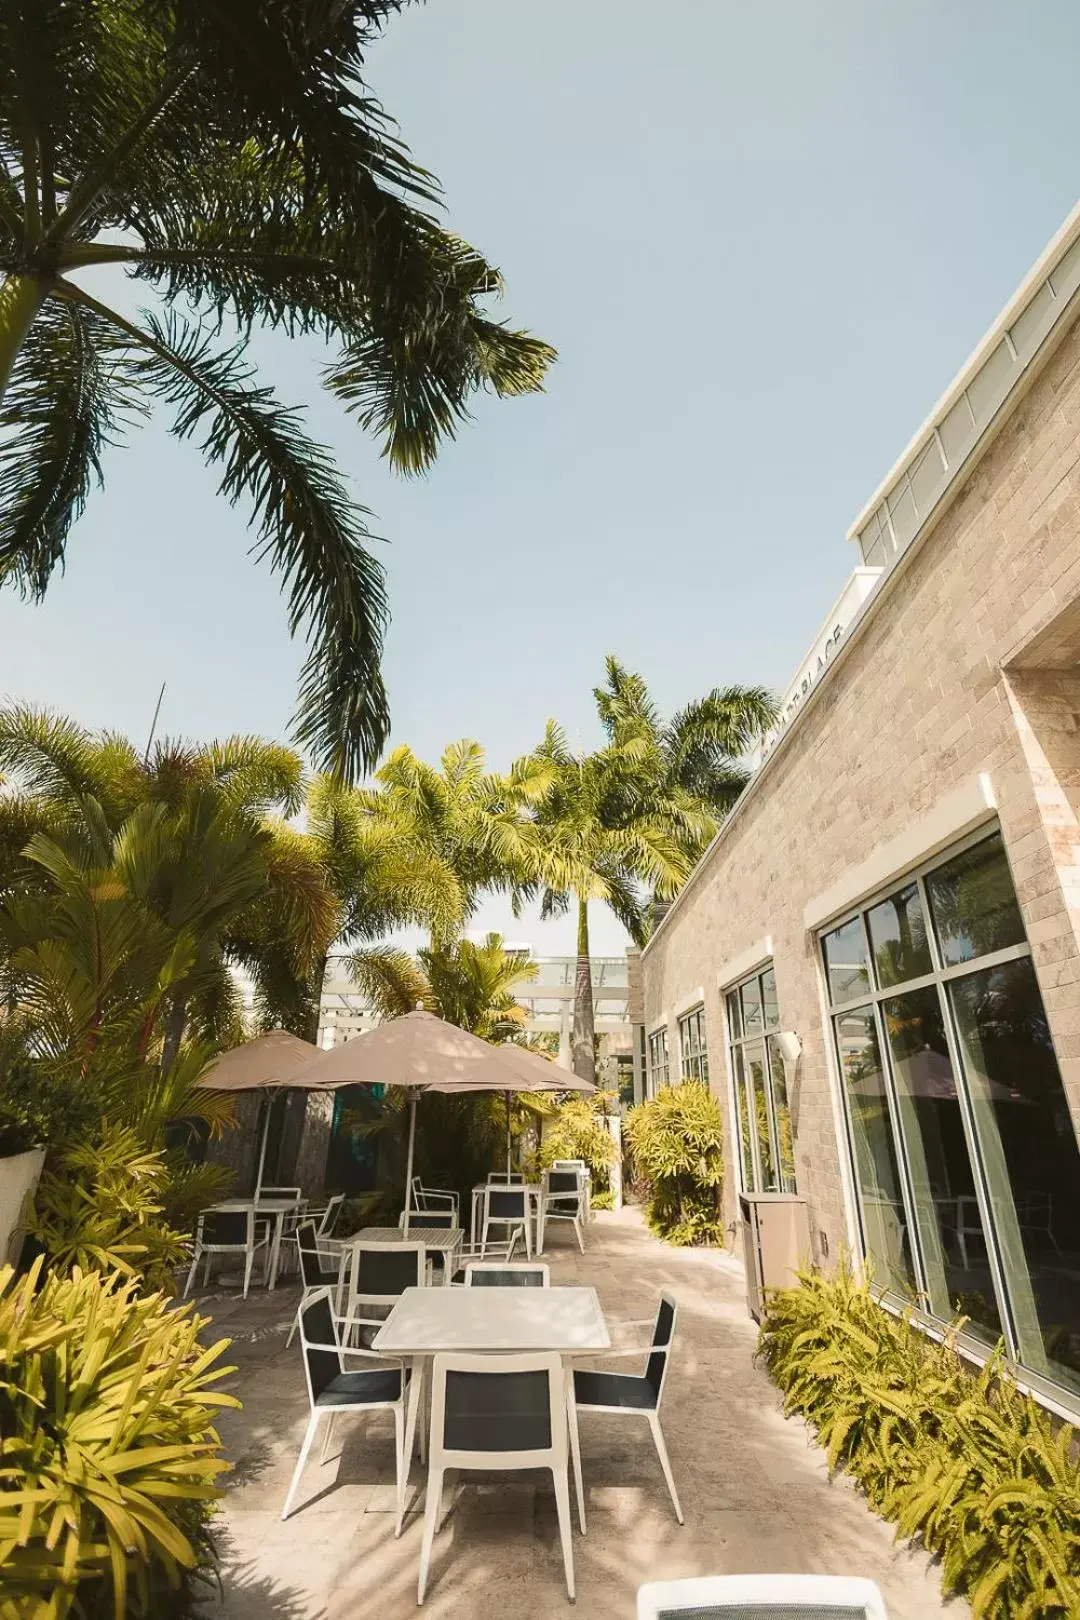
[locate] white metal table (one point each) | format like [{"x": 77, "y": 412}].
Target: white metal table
[
  {"x": 444, "y": 1240},
  {"x": 272, "y": 1208},
  {"x": 481, "y": 1321}
]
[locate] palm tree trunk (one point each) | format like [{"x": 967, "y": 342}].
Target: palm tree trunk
[
  {"x": 318, "y": 984},
  {"x": 584, "y": 1047},
  {"x": 20, "y": 299},
  {"x": 175, "y": 1023}
]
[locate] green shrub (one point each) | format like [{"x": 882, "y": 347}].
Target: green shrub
[
  {"x": 576, "y": 1131},
  {"x": 37, "y": 1107},
  {"x": 676, "y": 1140},
  {"x": 108, "y": 1452},
  {"x": 960, "y": 1459},
  {"x": 100, "y": 1207}
]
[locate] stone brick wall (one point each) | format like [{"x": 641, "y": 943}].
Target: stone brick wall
[{"x": 935, "y": 687}]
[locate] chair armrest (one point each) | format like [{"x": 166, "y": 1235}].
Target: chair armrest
[{"x": 637, "y": 1351}]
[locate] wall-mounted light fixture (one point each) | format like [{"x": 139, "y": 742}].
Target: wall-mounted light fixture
[{"x": 790, "y": 1045}]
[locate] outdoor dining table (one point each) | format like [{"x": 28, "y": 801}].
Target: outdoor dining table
[
  {"x": 273, "y": 1208},
  {"x": 485, "y": 1321},
  {"x": 436, "y": 1240}
]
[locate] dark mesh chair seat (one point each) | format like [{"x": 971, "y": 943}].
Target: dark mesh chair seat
[
  {"x": 614, "y": 1389},
  {"x": 361, "y": 1388}
]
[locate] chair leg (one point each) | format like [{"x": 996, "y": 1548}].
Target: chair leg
[
  {"x": 191, "y": 1274},
  {"x": 528, "y": 1240},
  {"x": 562, "y": 1503},
  {"x": 579, "y": 1234},
  {"x": 249, "y": 1260},
  {"x": 540, "y": 1232},
  {"x": 399, "y": 1460},
  {"x": 327, "y": 1435},
  {"x": 661, "y": 1452},
  {"x": 575, "y": 1447},
  {"x": 432, "y": 1506},
  {"x": 313, "y": 1424},
  {"x": 296, "y": 1320},
  {"x": 410, "y": 1437}
]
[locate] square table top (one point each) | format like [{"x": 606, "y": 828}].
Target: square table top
[
  {"x": 270, "y": 1206},
  {"x": 441, "y": 1239},
  {"x": 425, "y": 1321}
]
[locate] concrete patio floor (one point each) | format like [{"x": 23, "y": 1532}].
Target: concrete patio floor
[{"x": 754, "y": 1488}]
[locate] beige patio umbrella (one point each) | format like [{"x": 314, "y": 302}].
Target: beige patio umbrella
[
  {"x": 423, "y": 1053},
  {"x": 270, "y": 1063}
]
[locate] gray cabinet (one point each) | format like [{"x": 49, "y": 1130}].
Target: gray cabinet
[{"x": 776, "y": 1243}]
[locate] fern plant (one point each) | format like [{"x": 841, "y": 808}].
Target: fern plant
[
  {"x": 965, "y": 1462},
  {"x": 677, "y": 1142},
  {"x": 108, "y": 1453}
]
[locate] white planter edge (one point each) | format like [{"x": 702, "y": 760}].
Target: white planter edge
[{"x": 19, "y": 1174}]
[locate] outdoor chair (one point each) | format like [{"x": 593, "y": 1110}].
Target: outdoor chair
[
  {"x": 230, "y": 1232},
  {"x": 630, "y": 1395},
  {"x": 499, "y": 1253},
  {"x": 441, "y": 1220},
  {"x": 378, "y": 1276},
  {"x": 505, "y": 1178},
  {"x": 501, "y": 1274},
  {"x": 562, "y": 1198},
  {"x": 506, "y": 1207},
  {"x": 490, "y": 1414},
  {"x": 314, "y": 1273},
  {"x": 382, "y": 1385},
  {"x": 328, "y": 1216},
  {"x": 433, "y": 1198},
  {"x": 762, "y": 1597}
]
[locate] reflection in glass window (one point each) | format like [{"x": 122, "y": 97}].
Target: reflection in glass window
[
  {"x": 1031, "y": 1155},
  {"x": 974, "y": 904},
  {"x": 845, "y": 962},
  {"x": 885, "y": 1225},
  {"x": 693, "y": 1052},
  {"x": 955, "y": 1252},
  {"x": 963, "y": 1146},
  {"x": 657, "y": 1075},
  {"x": 767, "y": 1156},
  {"x": 898, "y": 938}
]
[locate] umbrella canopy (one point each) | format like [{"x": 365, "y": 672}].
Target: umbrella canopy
[
  {"x": 426, "y": 1052},
  {"x": 269, "y": 1061}
]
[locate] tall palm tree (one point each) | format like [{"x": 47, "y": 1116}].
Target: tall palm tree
[
  {"x": 468, "y": 984},
  {"x": 625, "y": 824},
  {"x": 231, "y": 158}
]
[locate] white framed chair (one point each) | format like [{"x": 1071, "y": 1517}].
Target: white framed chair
[
  {"x": 508, "y": 1209},
  {"x": 381, "y": 1386},
  {"x": 440, "y": 1220},
  {"x": 320, "y": 1268},
  {"x": 505, "y": 1178},
  {"x": 232, "y": 1232},
  {"x": 379, "y": 1274},
  {"x": 433, "y": 1198},
  {"x": 327, "y": 1216},
  {"x": 629, "y": 1395},
  {"x": 498, "y": 1253},
  {"x": 562, "y": 1198},
  {"x": 496, "y": 1413},
  {"x": 762, "y": 1597},
  {"x": 507, "y": 1274}
]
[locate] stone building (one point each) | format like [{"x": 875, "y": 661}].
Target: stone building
[{"x": 899, "y": 886}]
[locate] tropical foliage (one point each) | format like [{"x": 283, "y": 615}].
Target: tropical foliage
[
  {"x": 962, "y": 1460},
  {"x": 576, "y": 1131},
  {"x": 108, "y": 1453},
  {"x": 233, "y": 161},
  {"x": 676, "y": 1139}
]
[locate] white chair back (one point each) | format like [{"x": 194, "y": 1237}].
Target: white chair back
[
  {"x": 785, "y": 1597},
  {"x": 507, "y": 1274}
]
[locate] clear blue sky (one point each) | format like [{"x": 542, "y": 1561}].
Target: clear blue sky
[{"x": 763, "y": 238}]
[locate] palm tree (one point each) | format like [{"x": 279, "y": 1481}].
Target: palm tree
[
  {"x": 625, "y": 824},
  {"x": 468, "y": 984},
  {"x": 230, "y": 158},
  {"x": 472, "y": 821}
]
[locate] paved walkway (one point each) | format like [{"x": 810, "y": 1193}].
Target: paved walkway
[{"x": 754, "y": 1489}]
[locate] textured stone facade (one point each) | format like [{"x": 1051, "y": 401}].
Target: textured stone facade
[{"x": 966, "y": 664}]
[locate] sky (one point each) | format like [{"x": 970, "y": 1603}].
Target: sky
[{"x": 763, "y": 239}]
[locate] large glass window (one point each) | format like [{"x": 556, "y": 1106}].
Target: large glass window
[
  {"x": 759, "y": 1079},
  {"x": 693, "y": 1051},
  {"x": 658, "y": 1074},
  {"x": 964, "y": 1152}
]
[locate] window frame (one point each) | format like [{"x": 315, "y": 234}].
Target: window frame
[
  {"x": 740, "y": 1083},
  {"x": 661, "y": 1068},
  {"x": 694, "y": 1059},
  {"x": 873, "y": 997}
]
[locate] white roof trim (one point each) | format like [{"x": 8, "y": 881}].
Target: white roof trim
[{"x": 1038, "y": 273}]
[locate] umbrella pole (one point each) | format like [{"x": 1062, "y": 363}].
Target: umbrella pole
[
  {"x": 409, "y": 1159},
  {"x": 262, "y": 1149},
  {"x": 508, "y": 1136}
]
